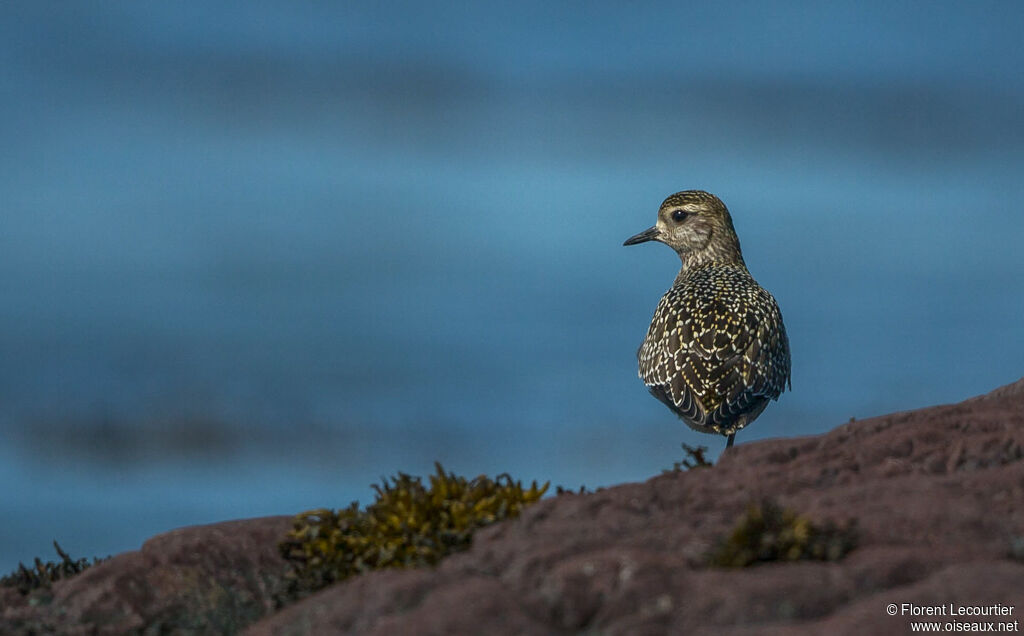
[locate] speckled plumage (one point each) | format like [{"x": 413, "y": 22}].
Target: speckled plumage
[{"x": 716, "y": 352}]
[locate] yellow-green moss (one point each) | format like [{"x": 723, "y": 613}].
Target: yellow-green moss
[
  {"x": 408, "y": 525},
  {"x": 768, "y": 532},
  {"x": 44, "y": 574}
]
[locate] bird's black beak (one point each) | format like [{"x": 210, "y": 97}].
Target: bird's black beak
[{"x": 650, "y": 234}]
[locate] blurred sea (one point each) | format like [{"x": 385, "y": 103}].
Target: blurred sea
[{"x": 257, "y": 255}]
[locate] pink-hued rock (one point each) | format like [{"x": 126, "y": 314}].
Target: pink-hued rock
[
  {"x": 201, "y": 579},
  {"x": 937, "y": 494}
]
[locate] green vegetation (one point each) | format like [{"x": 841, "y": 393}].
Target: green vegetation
[
  {"x": 694, "y": 459},
  {"x": 768, "y": 532},
  {"x": 1017, "y": 547},
  {"x": 408, "y": 525},
  {"x": 44, "y": 574},
  {"x": 560, "y": 490}
]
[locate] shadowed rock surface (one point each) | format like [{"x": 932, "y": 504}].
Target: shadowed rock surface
[
  {"x": 938, "y": 496},
  {"x": 201, "y": 579}
]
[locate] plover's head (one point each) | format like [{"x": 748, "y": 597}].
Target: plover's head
[{"x": 694, "y": 222}]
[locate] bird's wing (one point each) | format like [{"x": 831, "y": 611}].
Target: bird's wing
[
  {"x": 753, "y": 357},
  {"x": 669, "y": 361}
]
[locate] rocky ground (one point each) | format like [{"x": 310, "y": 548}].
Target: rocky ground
[{"x": 937, "y": 495}]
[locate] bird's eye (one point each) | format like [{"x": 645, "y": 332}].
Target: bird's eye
[{"x": 679, "y": 215}]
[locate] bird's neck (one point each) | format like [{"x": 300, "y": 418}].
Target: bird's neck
[{"x": 709, "y": 256}]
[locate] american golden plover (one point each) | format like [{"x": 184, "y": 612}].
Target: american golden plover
[{"x": 716, "y": 351}]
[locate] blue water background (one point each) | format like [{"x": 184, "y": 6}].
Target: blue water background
[{"x": 256, "y": 255}]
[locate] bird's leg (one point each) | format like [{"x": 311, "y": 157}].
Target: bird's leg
[{"x": 731, "y": 439}]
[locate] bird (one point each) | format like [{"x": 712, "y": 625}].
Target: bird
[{"x": 716, "y": 352}]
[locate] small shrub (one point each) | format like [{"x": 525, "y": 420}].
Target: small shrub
[
  {"x": 768, "y": 532},
  {"x": 694, "y": 459},
  {"x": 408, "y": 525},
  {"x": 43, "y": 575},
  {"x": 560, "y": 490}
]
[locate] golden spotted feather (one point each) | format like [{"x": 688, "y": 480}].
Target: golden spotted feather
[{"x": 716, "y": 351}]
